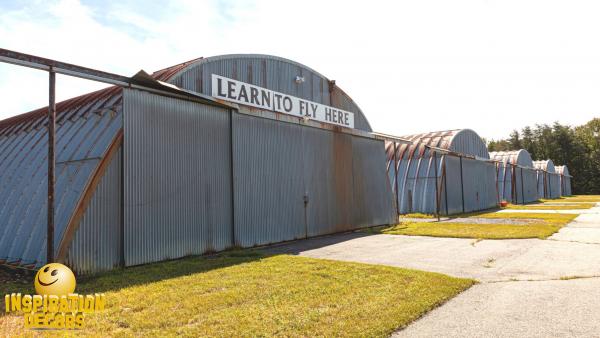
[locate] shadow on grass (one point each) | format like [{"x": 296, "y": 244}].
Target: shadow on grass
[
  {"x": 154, "y": 272},
  {"x": 145, "y": 274}
]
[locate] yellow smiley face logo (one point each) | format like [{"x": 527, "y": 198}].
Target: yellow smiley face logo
[{"x": 54, "y": 279}]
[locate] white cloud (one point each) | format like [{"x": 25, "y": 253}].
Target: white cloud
[{"x": 411, "y": 65}]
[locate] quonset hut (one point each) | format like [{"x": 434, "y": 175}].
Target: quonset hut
[
  {"x": 548, "y": 181},
  {"x": 565, "y": 180},
  {"x": 517, "y": 178},
  {"x": 444, "y": 172},
  {"x": 237, "y": 150}
]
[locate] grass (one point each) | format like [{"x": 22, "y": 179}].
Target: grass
[
  {"x": 572, "y": 206},
  {"x": 575, "y": 198},
  {"x": 418, "y": 215},
  {"x": 550, "y": 223},
  {"x": 256, "y": 295}
]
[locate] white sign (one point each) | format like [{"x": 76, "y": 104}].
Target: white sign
[{"x": 251, "y": 95}]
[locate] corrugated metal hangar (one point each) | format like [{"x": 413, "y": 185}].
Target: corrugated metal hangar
[
  {"x": 457, "y": 160},
  {"x": 227, "y": 151},
  {"x": 143, "y": 177},
  {"x": 517, "y": 178},
  {"x": 565, "y": 180},
  {"x": 548, "y": 181}
]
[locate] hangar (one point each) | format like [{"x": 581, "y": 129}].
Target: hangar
[
  {"x": 565, "y": 180},
  {"x": 191, "y": 168},
  {"x": 517, "y": 178},
  {"x": 445, "y": 172},
  {"x": 548, "y": 181}
]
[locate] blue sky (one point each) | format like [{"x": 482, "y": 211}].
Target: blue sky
[{"x": 412, "y": 66}]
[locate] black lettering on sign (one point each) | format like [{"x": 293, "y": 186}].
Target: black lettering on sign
[
  {"x": 254, "y": 96},
  {"x": 277, "y": 101},
  {"x": 231, "y": 90},
  {"x": 220, "y": 91},
  {"x": 243, "y": 94},
  {"x": 313, "y": 107},
  {"x": 302, "y": 106},
  {"x": 287, "y": 104},
  {"x": 327, "y": 114},
  {"x": 266, "y": 97},
  {"x": 340, "y": 116}
]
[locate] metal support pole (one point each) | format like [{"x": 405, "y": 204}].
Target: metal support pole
[
  {"x": 522, "y": 187},
  {"x": 437, "y": 198},
  {"x": 396, "y": 177},
  {"x": 462, "y": 185},
  {"x": 444, "y": 177},
  {"x": 232, "y": 178},
  {"x": 51, "y": 162},
  {"x": 513, "y": 184}
]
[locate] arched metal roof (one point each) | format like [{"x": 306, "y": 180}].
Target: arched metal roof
[
  {"x": 546, "y": 165},
  {"x": 463, "y": 141},
  {"x": 562, "y": 169},
  {"x": 272, "y": 72},
  {"x": 519, "y": 157}
]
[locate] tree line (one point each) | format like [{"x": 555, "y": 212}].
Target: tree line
[{"x": 577, "y": 147}]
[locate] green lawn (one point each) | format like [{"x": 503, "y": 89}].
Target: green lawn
[
  {"x": 542, "y": 206},
  {"x": 246, "y": 293},
  {"x": 418, "y": 215},
  {"x": 550, "y": 223},
  {"x": 575, "y": 198}
]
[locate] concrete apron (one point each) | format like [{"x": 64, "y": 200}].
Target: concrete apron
[
  {"x": 566, "y": 307},
  {"x": 528, "y": 287}
]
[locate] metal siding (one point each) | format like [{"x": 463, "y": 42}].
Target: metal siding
[
  {"x": 277, "y": 164},
  {"x": 86, "y": 127},
  {"x": 373, "y": 196},
  {"x": 554, "y": 184},
  {"x": 529, "y": 180},
  {"x": 505, "y": 178},
  {"x": 480, "y": 188},
  {"x": 269, "y": 72},
  {"x": 96, "y": 245},
  {"x": 452, "y": 186},
  {"x": 268, "y": 181},
  {"x": 328, "y": 170},
  {"x": 176, "y": 178}
]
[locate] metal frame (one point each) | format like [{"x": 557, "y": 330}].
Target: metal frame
[{"x": 140, "y": 81}]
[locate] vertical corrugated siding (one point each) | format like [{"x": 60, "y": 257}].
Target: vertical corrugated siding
[
  {"x": 176, "y": 178},
  {"x": 505, "y": 182},
  {"x": 96, "y": 245},
  {"x": 278, "y": 165},
  {"x": 565, "y": 183},
  {"x": 268, "y": 181},
  {"x": 480, "y": 189},
  {"x": 526, "y": 190},
  {"x": 270, "y": 72},
  {"x": 416, "y": 176},
  {"x": 373, "y": 196},
  {"x": 548, "y": 184}
]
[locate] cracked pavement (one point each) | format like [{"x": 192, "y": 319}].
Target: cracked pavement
[{"x": 528, "y": 287}]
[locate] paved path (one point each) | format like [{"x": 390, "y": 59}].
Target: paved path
[{"x": 529, "y": 287}]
